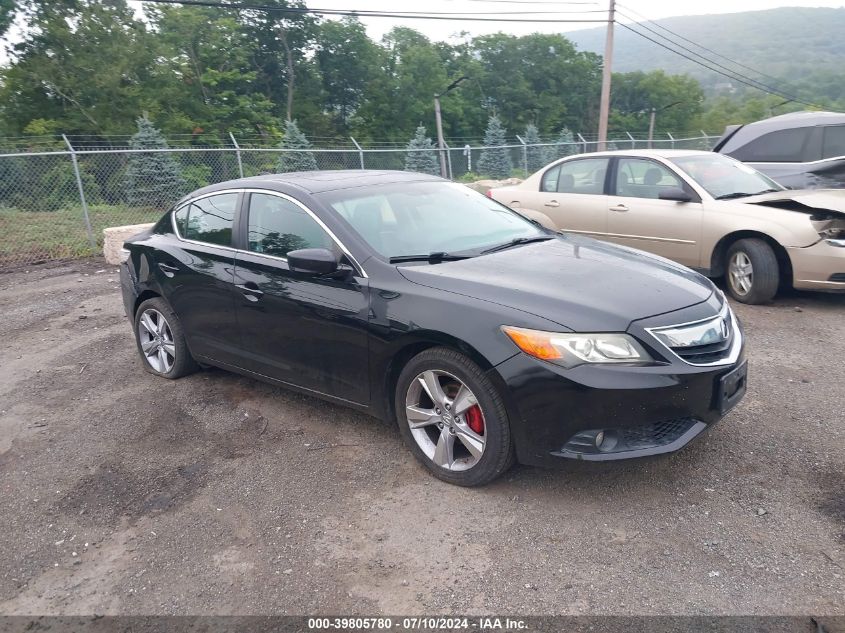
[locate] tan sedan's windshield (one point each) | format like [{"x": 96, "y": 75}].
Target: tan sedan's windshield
[{"x": 724, "y": 177}]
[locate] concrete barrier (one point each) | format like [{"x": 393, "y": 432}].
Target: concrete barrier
[
  {"x": 483, "y": 185},
  {"x": 114, "y": 237}
]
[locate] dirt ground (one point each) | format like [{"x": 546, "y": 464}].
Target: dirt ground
[{"x": 123, "y": 493}]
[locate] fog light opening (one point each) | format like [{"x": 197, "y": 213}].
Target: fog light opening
[{"x": 606, "y": 441}]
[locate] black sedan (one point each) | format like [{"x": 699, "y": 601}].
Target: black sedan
[{"x": 485, "y": 337}]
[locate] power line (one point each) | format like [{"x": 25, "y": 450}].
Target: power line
[
  {"x": 701, "y": 46},
  {"x": 468, "y": 17},
  {"x": 729, "y": 74},
  {"x": 528, "y": 2}
]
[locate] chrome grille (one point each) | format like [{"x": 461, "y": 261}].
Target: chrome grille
[{"x": 711, "y": 341}]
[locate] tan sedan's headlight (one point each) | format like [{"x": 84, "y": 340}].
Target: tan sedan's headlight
[{"x": 571, "y": 349}]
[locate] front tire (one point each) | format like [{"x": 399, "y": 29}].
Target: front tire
[
  {"x": 453, "y": 418},
  {"x": 161, "y": 340},
  {"x": 752, "y": 272}
]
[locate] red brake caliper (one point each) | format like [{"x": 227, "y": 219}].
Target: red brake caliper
[{"x": 474, "y": 419}]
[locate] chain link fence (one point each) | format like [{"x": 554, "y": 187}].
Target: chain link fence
[{"x": 55, "y": 204}]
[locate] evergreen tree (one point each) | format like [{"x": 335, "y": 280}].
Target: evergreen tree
[
  {"x": 495, "y": 161},
  {"x": 421, "y": 156},
  {"x": 153, "y": 179},
  {"x": 299, "y": 160},
  {"x": 566, "y": 143},
  {"x": 537, "y": 154}
]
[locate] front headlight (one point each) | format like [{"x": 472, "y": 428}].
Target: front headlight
[{"x": 574, "y": 349}]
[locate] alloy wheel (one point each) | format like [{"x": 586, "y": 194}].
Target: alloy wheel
[
  {"x": 446, "y": 420},
  {"x": 741, "y": 273},
  {"x": 156, "y": 340}
]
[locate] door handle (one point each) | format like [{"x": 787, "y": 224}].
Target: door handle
[
  {"x": 250, "y": 290},
  {"x": 551, "y": 203},
  {"x": 168, "y": 269},
  {"x": 619, "y": 208}
]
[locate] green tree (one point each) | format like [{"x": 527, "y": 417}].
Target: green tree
[
  {"x": 297, "y": 160},
  {"x": 348, "y": 62},
  {"x": 204, "y": 79},
  {"x": 7, "y": 15},
  {"x": 401, "y": 93},
  {"x": 677, "y": 97},
  {"x": 422, "y": 155},
  {"x": 84, "y": 64},
  {"x": 153, "y": 179},
  {"x": 495, "y": 161},
  {"x": 539, "y": 78},
  {"x": 283, "y": 42}
]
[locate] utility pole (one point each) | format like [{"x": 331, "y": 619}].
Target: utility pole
[
  {"x": 604, "y": 107},
  {"x": 441, "y": 143},
  {"x": 651, "y": 128}
]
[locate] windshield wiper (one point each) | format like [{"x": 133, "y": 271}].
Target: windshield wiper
[
  {"x": 735, "y": 194},
  {"x": 516, "y": 242},
  {"x": 431, "y": 258},
  {"x": 744, "y": 194}
]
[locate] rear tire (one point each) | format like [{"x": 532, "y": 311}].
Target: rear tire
[
  {"x": 161, "y": 340},
  {"x": 468, "y": 417},
  {"x": 752, "y": 274}
]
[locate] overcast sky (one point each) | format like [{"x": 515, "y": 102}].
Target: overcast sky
[{"x": 443, "y": 30}]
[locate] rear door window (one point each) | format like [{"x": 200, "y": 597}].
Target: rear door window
[
  {"x": 782, "y": 146},
  {"x": 585, "y": 175},
  {"x": 833, "y": 144},
  {"x": 550, "y": 179},
  {"x": 208, "y": 220}
]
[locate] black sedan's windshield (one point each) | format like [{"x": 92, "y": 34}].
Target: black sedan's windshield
[
  {"x": 725, "y": 178},
  {"x": 433, "y": 220}
]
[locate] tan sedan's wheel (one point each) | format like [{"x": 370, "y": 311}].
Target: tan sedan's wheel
[
  {"x": 752, "y": 272},
  {"x": 741, "y": 273}
]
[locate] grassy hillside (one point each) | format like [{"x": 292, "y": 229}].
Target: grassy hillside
[{"x": 803, "y": 46}]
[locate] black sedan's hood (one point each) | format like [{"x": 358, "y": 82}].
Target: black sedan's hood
[{"x": 580, "y": 283}]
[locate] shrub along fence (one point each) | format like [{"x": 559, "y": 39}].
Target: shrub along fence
[{"x": 55, "y": 204}]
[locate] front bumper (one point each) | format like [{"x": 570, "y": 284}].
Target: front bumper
[
  {"x": 818, "y": 267},
  {"x": 641, "y": 410}
]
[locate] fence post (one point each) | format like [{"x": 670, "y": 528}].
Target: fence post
[
  {"x": 237, "y": 154},
  {"x": 449, "y": 159},
  {"x": 91, "y": 241},
  {"x": 633, "y": 143},
  {"x": 671, "y": 138},
  {"x": 583, "y": 141},
  {"x": 360, "y": 152},
  {"x": 524, "y": 153}
]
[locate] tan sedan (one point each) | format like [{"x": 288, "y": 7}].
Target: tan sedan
[{"x": 704, "y": 210}]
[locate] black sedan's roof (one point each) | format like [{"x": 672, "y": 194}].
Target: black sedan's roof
[{"x": 318, "y": 181}]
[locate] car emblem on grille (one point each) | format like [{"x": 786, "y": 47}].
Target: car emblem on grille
[{"x": 726, "y": 328}]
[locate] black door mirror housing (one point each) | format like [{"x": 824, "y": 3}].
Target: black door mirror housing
[
  {"x": 313, "y": 261},
  {"x": 675, "y": 193}
]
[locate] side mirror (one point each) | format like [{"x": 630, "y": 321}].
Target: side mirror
[
  {"x": 674, "y": 193},
  {"x": 313, "y": 261}
]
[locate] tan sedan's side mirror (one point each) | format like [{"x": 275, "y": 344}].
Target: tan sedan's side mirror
[{"x": 675, "y": 193}]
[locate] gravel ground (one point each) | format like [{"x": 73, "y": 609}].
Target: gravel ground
[{"x": 126, "y": 494}]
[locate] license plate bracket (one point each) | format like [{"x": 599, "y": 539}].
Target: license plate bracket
[{"x": 732, "y": 387}]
